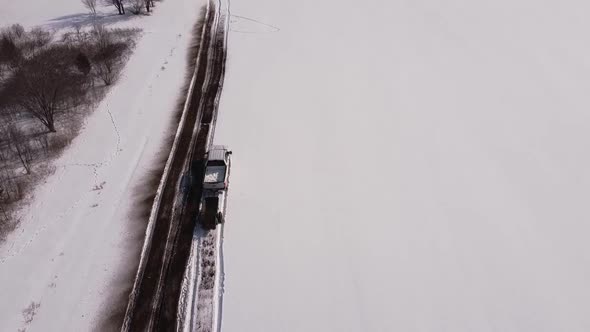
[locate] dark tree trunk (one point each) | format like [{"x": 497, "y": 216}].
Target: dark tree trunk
[
  {"x": 51, "y": 126},
  {"x": 120, "y": 7}
]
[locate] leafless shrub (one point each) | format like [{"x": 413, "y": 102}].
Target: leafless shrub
[
  {"x": 15, "y": 31},
  {"x": 110, "y": 52},
  {"x": 90, "y": 5},
  {"x": 4, "y": 215},
  {"x": 58, "y": 142},
  {"x": 7, "y": 194},
  {"x": 108, "y": 61},
  {"x": 83, "y": 63},
  {"x": 42, "y": 142},
  {"x": 45, "y": 84},
  {"x": 8, "y": 49},
  {"x": 11, "y": 190},
  {"x": 79, "y": 37},
  {"x": 16, "y": 45},
  {"x": 38, "y": 38},
  {"x": 125, "y": 35},
  {"x": 10, "y": 54},
  {"x": 137, "y": 6},
  {"x": 30, "y": 42},
  {"x": 101, "y": 35},
  {"x": 21, "y": 147}
]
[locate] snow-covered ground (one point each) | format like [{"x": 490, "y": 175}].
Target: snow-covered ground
[
  {"x": 78, "y": 241},
  {"x": 473, "y": 113}
]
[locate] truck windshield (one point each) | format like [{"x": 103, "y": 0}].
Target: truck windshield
[{"x": 214, "y": 174}]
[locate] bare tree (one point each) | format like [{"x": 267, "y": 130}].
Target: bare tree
[
  {"x": 119, "y": 4},
  {"x": 90, "y": 5},
  {"x": 45, "y": 84},
  {"x": 148, "y": 4}
]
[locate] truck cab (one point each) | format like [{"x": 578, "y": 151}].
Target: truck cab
[{"x": 217, "y": 168}]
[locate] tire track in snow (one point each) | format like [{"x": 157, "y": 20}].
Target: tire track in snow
[
  {"x": 204, "y": 315},
  {"x": 158, "y": 289}
]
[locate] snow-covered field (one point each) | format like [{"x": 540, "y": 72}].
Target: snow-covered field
[
  {"x": 474, "y": 116},
  {"x": 78, "y": 241},
  {"x": 473, "y": 113}
]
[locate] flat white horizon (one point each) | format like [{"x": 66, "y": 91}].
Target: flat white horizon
[{"x": 407, "y": 166}]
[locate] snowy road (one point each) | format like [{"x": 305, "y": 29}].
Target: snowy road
[
  {"x": 200, "y": 303},
  {"x": 154, "y": 302}
]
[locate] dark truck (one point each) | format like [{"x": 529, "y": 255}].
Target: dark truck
[{"x": 215, "y": 185}]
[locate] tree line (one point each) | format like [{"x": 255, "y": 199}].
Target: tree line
[
  {"x": 136, "y": 6},
  {"x": 44, "y": 85}
]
